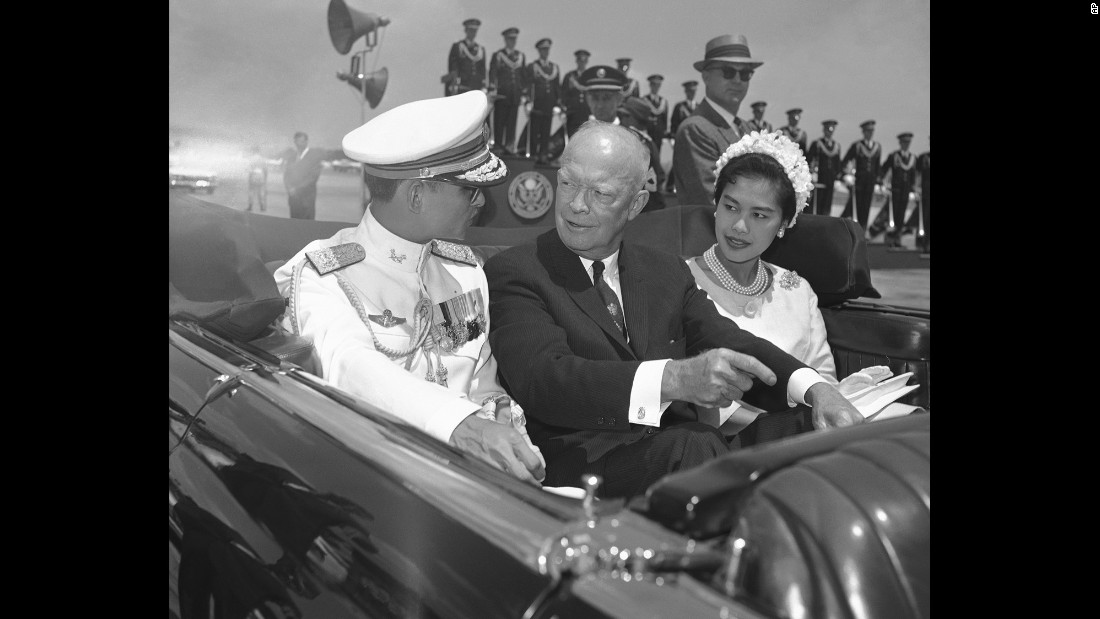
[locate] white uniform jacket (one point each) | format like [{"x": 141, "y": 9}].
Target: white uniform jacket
[{"x": 395, "y": 275}]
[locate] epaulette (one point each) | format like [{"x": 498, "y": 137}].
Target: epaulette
[
  {"x": 336, "y": 257},
  {"x": 456, "y": 252}
]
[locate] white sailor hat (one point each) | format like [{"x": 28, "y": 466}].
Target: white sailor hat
[{"x": 444, "y": 139}]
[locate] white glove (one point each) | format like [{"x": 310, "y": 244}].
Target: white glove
[
  {"x": 849, "y": 180},
  {"x": 864, "y": 378},
  {"x": 813, "y": 177}
]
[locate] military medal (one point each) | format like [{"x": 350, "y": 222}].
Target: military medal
[
  {"x": 387, "y": 319},
  {"x": 459, "y": 320}
]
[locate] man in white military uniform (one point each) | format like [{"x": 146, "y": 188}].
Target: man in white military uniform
[{"x": 399, "y": 317}]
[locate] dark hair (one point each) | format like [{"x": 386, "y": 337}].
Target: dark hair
[
  {"x": 381, "y": 189},
  {"x": 763, "y": 167}
]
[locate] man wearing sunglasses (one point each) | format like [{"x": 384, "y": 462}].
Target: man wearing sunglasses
[
  {"x": 726, "y": 69},
  {"x": 399, "y": 317}
]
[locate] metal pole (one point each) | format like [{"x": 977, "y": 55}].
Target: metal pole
[
  {"x": 920, "y": 216},
  {"x": 527, "y": 128}
]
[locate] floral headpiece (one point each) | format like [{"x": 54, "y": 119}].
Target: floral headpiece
[{"x": 786, "y": 152}]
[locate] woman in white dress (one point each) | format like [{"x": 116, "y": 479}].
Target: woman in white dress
[{"x": 762, "y": 184}]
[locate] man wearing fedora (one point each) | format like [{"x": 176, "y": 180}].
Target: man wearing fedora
[
  {"x": 680, "y": 112},
  {"x": 572, "y": 93},
  {"x": 466, "y": 62},
  {"x": 793, "y": 131},
  {"x": 506, "y": 90},
  {"x": 757, "y": 122},
  {"x": 726, "y": 68},
  {"x": 544, "y": 82},
  {"x": 824, "y": 160},
  {"x": 399, "y": 317}
]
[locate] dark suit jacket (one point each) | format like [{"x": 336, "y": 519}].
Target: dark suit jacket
[
  {"x": 561, "y": 356},
  {"x": 700, "y": 141}
]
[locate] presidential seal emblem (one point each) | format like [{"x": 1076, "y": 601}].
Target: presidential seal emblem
[{"x": 530, "y": 195}]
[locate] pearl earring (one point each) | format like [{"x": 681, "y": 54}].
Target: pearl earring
[{"x": 780, "y": 233}]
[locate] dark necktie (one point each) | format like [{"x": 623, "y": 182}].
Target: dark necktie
[{"x": 608, "y": 295}]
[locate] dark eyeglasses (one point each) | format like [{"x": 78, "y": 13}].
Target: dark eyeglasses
[
  {"x": 729, "y": 72},
  {"x": 473, "y": 196}
]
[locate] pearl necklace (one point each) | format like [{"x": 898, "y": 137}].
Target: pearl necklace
[{"x": 758, "y": 285}]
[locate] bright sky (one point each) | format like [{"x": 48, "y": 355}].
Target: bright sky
[{"x": 255, "y": 71}]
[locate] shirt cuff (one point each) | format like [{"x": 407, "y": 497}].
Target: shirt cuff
[
  {"x": 800, "y": 382},
  {"x": 646, "y": 406}
]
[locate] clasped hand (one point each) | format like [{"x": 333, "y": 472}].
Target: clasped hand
[
  {"x": 714, "y": 378},
  {"x": 498, "y": 443},
  {"x": 830, "y": 408}
]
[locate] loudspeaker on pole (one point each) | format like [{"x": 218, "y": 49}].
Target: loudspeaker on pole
[{"x": 346, "y": 25}]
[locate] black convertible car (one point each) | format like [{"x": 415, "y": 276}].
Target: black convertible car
[{"x": 288, "y": 497}]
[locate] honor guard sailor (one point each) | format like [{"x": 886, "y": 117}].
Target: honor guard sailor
[
  {"x": 507, "y": 83},
  {"x": 863, "y": 161},
  {"x": 466, "y": 62},
  {"x": 544, "y": 82},
  {"x": 757, "y": 122},
  {"x": 572, "y": 93},
  {"x": 397, "y": 316},
  {"x": 824, "y": 160},
  {"x": 657, "y": 128},
  {"x": 793, "y": 131},
  {"x": 680, "y": 112},
  {"x": 900, "y": 165}
]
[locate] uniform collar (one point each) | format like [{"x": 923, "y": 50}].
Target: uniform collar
[{"x": 389, "y": 249}]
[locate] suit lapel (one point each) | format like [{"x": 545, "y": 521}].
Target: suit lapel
[
  {"x": 730, "y": 134},
  {"x": 566, "y": 270}
]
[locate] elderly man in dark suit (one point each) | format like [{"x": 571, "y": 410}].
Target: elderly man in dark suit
[
  {"x": 701, "y": 139},
  {"x": 611, "y": 346}
]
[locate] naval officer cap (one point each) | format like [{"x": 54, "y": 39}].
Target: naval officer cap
[
  {"x": 541, "y": 43},
  {"x": 867, "y": 124},
  {"x": 794, "y": 111},
  {"x": 443, "y": 139},
  {"x": 829, "y": 123},
  {"x": 656, "y": 77},
  {"x": 582, "y": 52},
  {"x": 510, "y": 32},
  {"x": 602, "y": 77},
  {"x": 758, "y": 104},
  {"x": 622, "y": 61},
  {"x": 475, "y": 22},
  {"x": 908, "y": 135},
  {"x": 691, "y": 83}
]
